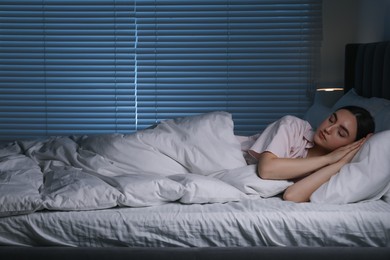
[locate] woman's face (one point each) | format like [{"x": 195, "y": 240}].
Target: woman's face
[{"x": 339, "y": 129}]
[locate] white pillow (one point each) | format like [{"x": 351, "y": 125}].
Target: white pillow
[
  {"x": 141, "y": 190},
  {"x": 203, "y": 144},
  {"x": 374, "y": 105},
  {"x": 205, "y": 189},
  {"x": 366, "y": 178},
  {"x": 20, "y": 180},
  {"x": 246, "y": 180},
  {"x": 69, "y": 188}
]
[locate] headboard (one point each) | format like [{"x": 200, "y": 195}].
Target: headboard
[{"x": 367, "y": 69}]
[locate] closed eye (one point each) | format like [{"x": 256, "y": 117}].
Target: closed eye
[
  {"x": 333, "y": 118},
  {"x": 343, "y": 133}
]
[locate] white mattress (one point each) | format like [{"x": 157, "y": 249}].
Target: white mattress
[{"x": 250, "y": 222}]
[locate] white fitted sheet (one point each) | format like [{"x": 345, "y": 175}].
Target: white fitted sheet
[{"x": 250, "y": 222}]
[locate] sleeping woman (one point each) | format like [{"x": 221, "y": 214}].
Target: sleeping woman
[{"x": 288, "y": 149}]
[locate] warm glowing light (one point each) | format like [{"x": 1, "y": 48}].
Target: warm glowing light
[{"x": 330, "y": 89}]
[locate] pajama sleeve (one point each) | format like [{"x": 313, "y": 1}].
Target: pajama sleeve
[{"x": 289, "y": 137}]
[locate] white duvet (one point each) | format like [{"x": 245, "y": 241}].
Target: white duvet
[{"x": 191, "y": 160}]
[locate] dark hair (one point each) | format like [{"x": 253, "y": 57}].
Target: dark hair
[{"x": 365, "y": 121}]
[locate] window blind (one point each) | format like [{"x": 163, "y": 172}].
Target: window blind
[
  {"x": 103, "y": 66},
  {"x": 67, "y": 67}
]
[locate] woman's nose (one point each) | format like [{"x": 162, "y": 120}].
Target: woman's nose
[{"x": 328, "y": 129}]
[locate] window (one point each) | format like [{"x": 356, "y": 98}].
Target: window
[{"x": 103, "y": 66}]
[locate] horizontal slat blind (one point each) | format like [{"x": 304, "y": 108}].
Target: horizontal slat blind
[
  {"x": 67, "y": 67},
  {"x": 251, "y": 58},
  {"x": 102, "y": 66},
  {"x": 22, "y": 71}
]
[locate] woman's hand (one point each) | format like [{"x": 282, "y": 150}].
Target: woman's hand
[
  {"x": 345, "y": 153},
  {"x": 349, "y": 156},
  {"x": 302, "y": 189}
]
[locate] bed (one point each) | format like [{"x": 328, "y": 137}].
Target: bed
[{"x": 170, "y": 202}]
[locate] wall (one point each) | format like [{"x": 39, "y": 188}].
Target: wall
[{"x": 348, "y": 21}]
